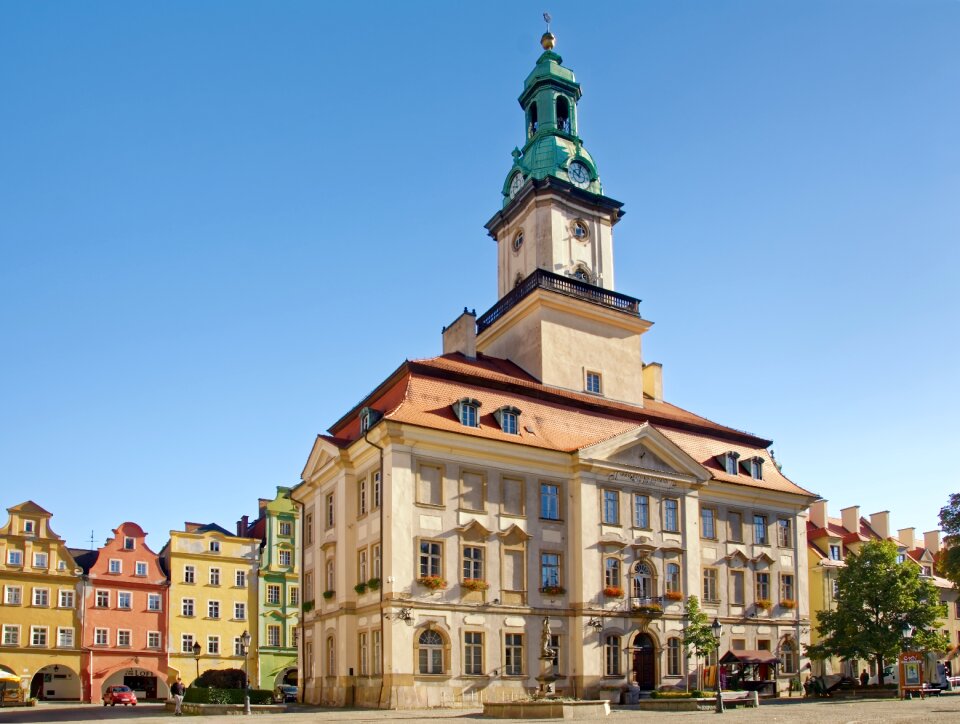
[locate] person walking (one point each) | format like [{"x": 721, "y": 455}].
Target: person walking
[
  {"x": 864, "y": 677},
  {"x": 177, "y": 690}
]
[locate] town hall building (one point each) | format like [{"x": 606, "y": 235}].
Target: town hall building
[{"x": 533, "y": 474}]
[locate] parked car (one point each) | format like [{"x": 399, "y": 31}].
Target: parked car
[
  {"x": 285, "y": 693},
  {"x": 119, "y": 695}
]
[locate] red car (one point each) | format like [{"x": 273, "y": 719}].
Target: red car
[{"x": 119, "y": 695}]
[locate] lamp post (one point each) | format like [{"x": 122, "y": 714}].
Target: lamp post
[
  {"x": 245, "y": 643},
  {"x": 717, "y": 632},
  {"x": 196, "y": 656}
]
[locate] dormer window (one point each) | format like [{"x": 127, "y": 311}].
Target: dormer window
[
  {"x": 368, "y": 418},
  {"x": 835, "y": 553},
  {"x": 926, "y": 571},
  {"x": 508, "y": 418},
  {"x": 467, "y": 411},
  {"x": 901, "y": 557},
  {"x": 128, "y": 543},
  {"x": 28, "y": 527},
  {"x": 730, "y": 463},
  {"x": 756, "y": 468},
  {"x": 214, "y": 546}
]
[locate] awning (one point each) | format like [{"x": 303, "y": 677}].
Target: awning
[{"x": 749, "y": 657}]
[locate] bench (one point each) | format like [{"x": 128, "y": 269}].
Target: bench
[{"x": 924, "y": 691}]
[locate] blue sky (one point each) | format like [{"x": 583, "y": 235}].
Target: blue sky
[{"x": 222, "y": 223}]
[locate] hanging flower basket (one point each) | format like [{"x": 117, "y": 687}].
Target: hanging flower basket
[
  {"x": 673, "y": 596},
  {"x": 788, "y": 603},
  {"x": 613, "y": 592},
  {"x": 475, "y": 584},
  {"x": 553, "y": 590},
  {"x": 765, "y": 603},
  {"x": 434, "y": 583}
]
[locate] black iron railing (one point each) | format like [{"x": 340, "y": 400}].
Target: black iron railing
[{"x": 542, "y": 279}]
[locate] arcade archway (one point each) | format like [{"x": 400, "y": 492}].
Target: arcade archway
[{"x": 55, "y": 683}]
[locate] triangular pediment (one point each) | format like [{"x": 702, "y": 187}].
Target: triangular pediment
[
  {"x": 321, "y": 455},
  {"x": 514, "y": 535},
  {"x": 645, "y": 449},
  {"x": 30, "y": 508}
]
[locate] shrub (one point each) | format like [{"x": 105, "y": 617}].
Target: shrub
[
  {"x": 374, "y": 584},
  {"x": 308, "y": 606},
  {"x": 215, "y": 695},
  {"x": 434, "y": 583},
  {"x": 329, "y": 594},
  {"x": 220, "y": 679},
  {"x": 361, "y": 587}
]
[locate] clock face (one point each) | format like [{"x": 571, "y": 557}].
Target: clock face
[
  {"x": 515, "y": 183},
  {"x": 579, "y": 174}
]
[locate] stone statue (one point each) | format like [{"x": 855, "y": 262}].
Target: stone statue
[{"x": 546, "y": 650}]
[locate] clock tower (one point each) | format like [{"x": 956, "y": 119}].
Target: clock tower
[{"x": 558, "y": 315}]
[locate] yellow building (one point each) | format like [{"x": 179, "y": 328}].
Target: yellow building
[
  {"x": 213, "y": 599},
  {"x": 39, "y": 618}
]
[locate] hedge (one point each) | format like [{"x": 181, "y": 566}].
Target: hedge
[{"x": 195, "y": 695}]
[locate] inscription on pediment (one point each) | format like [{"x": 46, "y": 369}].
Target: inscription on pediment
[{"x": 640, "y": 456}]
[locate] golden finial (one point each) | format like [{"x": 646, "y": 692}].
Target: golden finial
[{"x": 548, "y": 39}]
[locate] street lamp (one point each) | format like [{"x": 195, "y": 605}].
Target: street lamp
[
  {"x": 717, "y": 632},
  {"x": 245, "y": 643},
  {"x": 196, "y": 656}
]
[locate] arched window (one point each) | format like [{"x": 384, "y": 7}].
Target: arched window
[
  {"x": 643, "y": 580},
  {"x": 673, "y": 657},
  {"x": 532, "y": 120},
  {"x": 673, "y": 578},
  {"x": 611, "y": 655},
  {"x": 581, "y": 273},
  {"x": 611, "y": 573},
  {"x": 563, "y": 114},
  {"x": 789, "y": 660},
  {"x": 331, "y": 657},
  {"x": 430, "y": 648}
]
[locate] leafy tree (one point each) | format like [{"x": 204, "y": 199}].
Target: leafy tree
[
  {"x": 948, "y": 560},
  {"x": 220, "y": 679},
  {"x": 698, "y": 634},
  {"x": 877, "y": 597}
]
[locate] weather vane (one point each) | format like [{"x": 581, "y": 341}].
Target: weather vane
[{"x": 547, "y": 18}]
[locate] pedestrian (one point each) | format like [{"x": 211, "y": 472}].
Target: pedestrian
[
  {"x": 177, "y": 690},
  {"x": 864, "y": 677}
]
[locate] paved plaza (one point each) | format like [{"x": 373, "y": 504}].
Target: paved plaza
[{"x": 946, "y": 709}]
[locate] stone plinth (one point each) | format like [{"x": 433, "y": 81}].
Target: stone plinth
[{"x": 546, "y": 709}]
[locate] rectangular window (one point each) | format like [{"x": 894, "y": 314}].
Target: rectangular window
[
  {"x": 153, "y": 602},
  {"x": 286, "y": 528},
  {"x": 611, "y": 507},
  {"x": 213, "y": 609},
  {"x": 473, "y": 653},
  {"x": 472, "y": 490},
  {"x": 331, "y": 575},
  {"x": 38, "y": 635},
  {"x": 611, "y": 651},
  {"x": 786, "y": 587},
  {"x": 294, "y": 596},
  {"x": 377, "y": 561},
  {"x": 214, "y": 576},
  {"x": 214, "y": 546},
  {"x": 737, "y": 595},
  {"x": 240, "y": 611},
  {"x": 514, "y": 577},
  {"x": 116, "y": 565},
  {"x": 187, "y": 607},
  {"x": 376, "y": 490},
  {"x": 473, "y": 563},
  {"x": 468, "y": 414},
  {"x": 240, "y": 579},
  {"x": 763, "y": 586},
  {"x": 128, "y": 543},
  {"x": 213, "y": 645},
  {"x": 186, "y": 644},
  {"x": 123, "y": 638},
  {"x": 594, "y": 383},
  {"x": 784, "y": 533},
  {"x": 555, "y": 646},
  {"x": 431, "y": 558},
  {"x": 835, "y": 553},
  {"x": 14, "y": 558},
  {"x": 710, "y": 588},
  {"x": 674, "y": 656},
  {"x": 377, "y": 647},
  {"x": 738, "y": 644},
  {"x": 40, "y": 560},
  {"x": 363, "y": 652},
  {"x": 308, "y": 528},
  {"x": 549, "y": 501},
  {"x": 28, "y": 527},
  {"x": 735, "y": 526},
  {"x": 549, "y": 569},
  {"x": 101, "y": 636},
  {"x": 362, "y": 497},
  {"x": 760, "y": 530},
  {"x": 141, "y": 569},
  {"x": 124, "y": 600},
  {"x": 102, "y": 599},
  {"x": 708, "y": 523},
  {"x": 273, "y": 635},
  {"x": 273, "y": 594},
  {"x": 11, "y": 634},
  {"x": 238, "y": 647},
  {"x": 362, "y": 572},
  {"x": 66, "y": 599},
  {"x": 508, "y": 422},
  {"x": 65, "y": 638},
  {"x": 671, "y": 515},
  {"x": 12, "y": 595},
  {"x": 41, "y": 596},
  {"x": 641, "y": 511},
  {"x": 331, "y": 511},
  {"x": 153, "y": 639},
  {"x": 513, "y": 654},
  {"x": 430, "y": 485},
  {"x": 286, "y": 558},
  {"x": 189, "y": 574},
  {"x": 511, "y": 493}
]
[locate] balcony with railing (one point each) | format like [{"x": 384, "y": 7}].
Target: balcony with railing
[{"x": 568, "y": 286}]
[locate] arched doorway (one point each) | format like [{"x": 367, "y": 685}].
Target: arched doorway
[
  {"x": 287, "y": 677},
  {"x": 55, "y": 682},
  {"x": 644, "y": 661},
  {"x": 145, "y": 682}
]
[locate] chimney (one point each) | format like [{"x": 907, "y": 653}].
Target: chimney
[
  {"x": 906, "y": 538},
  {"x": 192, "y": 527},
  {"x": 653, "y": 381},
  {"x": 818, "y": 514},
  {"x": 242, "y": 526},
  {"x": 931, "y": 541},
  {"x": 461, "y": 336},
  {"x": 880, "y": 522},
  {"x": 851, "y": 518},
  {"x": 262, "y": 504}
]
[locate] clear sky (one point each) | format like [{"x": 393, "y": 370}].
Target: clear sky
[{"x": 223, "y": 223}]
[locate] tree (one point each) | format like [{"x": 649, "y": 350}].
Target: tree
[
  {"x": 698, "y": 634},
  {"x": 948, "y": 559},
  {"x": 877, "y": 598}
]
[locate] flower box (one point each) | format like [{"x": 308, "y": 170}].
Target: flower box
[
  {"x": 361, "y": 587},
  {"x": 613, "y": 592},
  {"x": 673, "y": 596},
  {"x": 307, "y": 606},
  {"x": 434, "y": 583},
  {"x": 475, "y": 584},
  {"x": 648, "y": 608},
  {"x": 329, "y": 594},
  {"x": 374, "y": 584},
  {"x": 788, "y": 603},
  {"x": 764, "y": 603},
  {"x": 553, "y": 590}
]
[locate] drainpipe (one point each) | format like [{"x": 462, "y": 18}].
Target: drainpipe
[
  {"x": 383, "y": 646},
  {"x": 300, "y": 676}
]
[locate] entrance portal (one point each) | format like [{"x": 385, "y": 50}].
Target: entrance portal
[{"x": 644, "y": 662}]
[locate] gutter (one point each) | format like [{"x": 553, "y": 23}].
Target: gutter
[{"x": 383, "y": 671}]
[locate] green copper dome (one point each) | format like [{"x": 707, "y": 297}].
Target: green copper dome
[{"x": 553, "y": 146}]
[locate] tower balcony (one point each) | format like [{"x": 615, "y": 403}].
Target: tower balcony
[{"x": 568, "y": 286}]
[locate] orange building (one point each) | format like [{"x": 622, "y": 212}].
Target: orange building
[{"x": 125, "y": 618}]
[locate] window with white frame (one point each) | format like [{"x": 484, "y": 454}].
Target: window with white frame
[
  {"x": 468, "y": 412},
  {"x": 513, "y": 654},
  {"x": 672, "y": 578},
  {"x": 240, "y": 611},
  {"x": 286, "y": 528},
  {"x": 214, "y": 546},
  {"x": 377, "y": 561},
  {"x": 611, "y": 655},
  {"x": 593, "y": 382},
  {"x": 363, "y": 653},
  {"x": 331, "y": 575},
  {"x": 213, "y": 645},
  {"x": 362, "y": 572},
  {"x": 29, "y": 527},
  {"x": 711, "y": 588},
  {"x": 331, "y": 657},
  {"x": 273, "y": 594},
  {"x": 550, "y": 569},
  {"x": 331, "y": 511},
  {"x": 14, "y": 558},
  {"x": 153, "y": 639},
  {"x": 430, "y": 650},
  {"x": 213, "y": 609},
  {"x": 762, "y": 583},
  {"x": 473, "y": 563},
  {"x": 238, "y": 646},
  {"x": 673, "y": 656},
  {"x": 784, "y": 533},
  {"x": 40, "y": 560},
  {"x": 641, "y": 511},
  {"x": 431, "y": 558},
  {"x": 730, "y": 463},
  {"x": 308, "y": 528},
  {"x": 38, "y": 636},
  {"x": 102, "y": 599},
  {"x": 189, "y": 574},
  {"x": 377, "y": 648},
  {"x": 611, "y": 507},
  {"x": 115, "y": 566},
  {"x": 141, "y": 569},
  {"x": 294, "y": 596},
  {"x": 12, "y": 595},
  {"x": 756, "y": 468},
  {"x": 101, "y": 636},
  {"x": 611, "y": 572},
  {"x": 186, "y": 644},
  {"x": 124, "y": 638},
  {"x": 671, "y": 515},
  {"x": 154, "y": 602},
  {"x": 41, "y": 596},
  {"x": 187, "y": 608},
  {"x": 549, "y": 501},
  {"x": 708, "y": 523},
  {"x": 240, "y": 579},
  {"x": 129, "y": 543},
  {"x": 124, "y": 599},
  {"x": 362, "y": 497},
  {"x": 273, "y": 635},
  {"x": 473, "y": 653},
  {"x": 787, "y": 592},
  {"x": 11, "y": 634},
  {"x": 64, "y": 638},
  {"x": 643, "y": 580},
  {"x": 214, "y": 576},
  {"x": 286, "y": 558},
  {"x": 376, "y": 490}
]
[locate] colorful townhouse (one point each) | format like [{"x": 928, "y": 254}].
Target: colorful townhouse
[
  {"x": 213, "y": 600},
  {"x": 125, "y": 606},
  {"x": 39, "y": 618},
  {"x": 278, "y": 610}
]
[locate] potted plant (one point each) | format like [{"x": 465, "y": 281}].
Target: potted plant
[
  {"x": 475, "y": 584},
  {"x": 673, "y": 596},
  {"x": 307, "y": 606},
  {"x": 764, "y": 603},
  {"x": 374, "y": 584},
  {"x": 553, "y": 590},
  {"x": 361, "y": 587},
  {"x": 613, "y": 592},
  {"x": 434, "y": 583},
  {"x": 788, "y": 603},
  {"x": 329, "y": 594}
]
